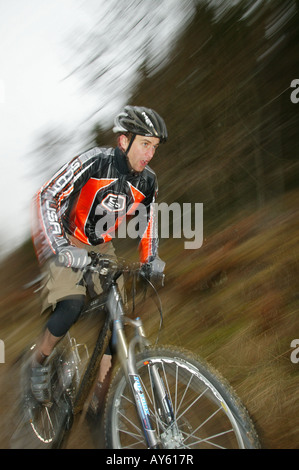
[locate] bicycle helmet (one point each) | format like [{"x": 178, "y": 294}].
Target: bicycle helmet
[{"x": 140, "y": 121}]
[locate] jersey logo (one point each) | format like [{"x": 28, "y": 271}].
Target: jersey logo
[{"x": 114, "y": 202}]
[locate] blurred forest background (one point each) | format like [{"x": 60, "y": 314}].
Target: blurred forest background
[{"x": 225, "y": 93}]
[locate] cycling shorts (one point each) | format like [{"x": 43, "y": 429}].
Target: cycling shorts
[{"x": 61, "y": 282}]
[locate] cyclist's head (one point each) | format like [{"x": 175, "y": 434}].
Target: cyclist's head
[{"x": 138, "y": 120}]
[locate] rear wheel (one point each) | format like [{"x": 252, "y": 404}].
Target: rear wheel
[
  {"x": 44, "y": 425},
  {"x": 207, "y": 413}
]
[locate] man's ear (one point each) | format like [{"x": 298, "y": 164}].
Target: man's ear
[{"x": 123, "y": 142}]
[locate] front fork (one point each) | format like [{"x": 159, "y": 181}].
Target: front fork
[{"x": 126, "y": 355}]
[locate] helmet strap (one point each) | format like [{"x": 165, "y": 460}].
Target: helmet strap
[
  {"x": 126, "y": 155},
  {"x": 130, "y": 145}
]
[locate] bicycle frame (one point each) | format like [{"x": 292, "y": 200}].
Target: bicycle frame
[
  {"x": 114, "y": 326},
  {"x": 126, "y": 354},
  {"x": 127, "y": 358}
]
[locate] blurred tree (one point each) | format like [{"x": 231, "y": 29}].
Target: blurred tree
[
  {"x": 51, "y": 151},
  {"x": 128, "y": 36},
  {"x": 101, "y": 137},
  {"x": 225, "y": 94},
  {"x": 223, "y": 85}
]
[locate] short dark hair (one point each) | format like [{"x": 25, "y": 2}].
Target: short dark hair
[{"x": 127, "y": 134}]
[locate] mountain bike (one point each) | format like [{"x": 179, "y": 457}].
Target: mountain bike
[{"x": 161, "y": 397}]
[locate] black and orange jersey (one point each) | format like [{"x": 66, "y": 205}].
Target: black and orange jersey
[{"x": 88, "y": 198}]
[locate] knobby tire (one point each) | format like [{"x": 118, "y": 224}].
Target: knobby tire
[{"x": 208, "y": 414}]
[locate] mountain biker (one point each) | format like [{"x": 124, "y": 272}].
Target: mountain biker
[{"x": 67, "y": 215}]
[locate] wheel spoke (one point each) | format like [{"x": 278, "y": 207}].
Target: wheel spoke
[
  {"x": 200, "y": 419},
  {"x": 191, "y": 404},
  {"x": 208, "y": 440},
  {"x": 136, "y": 427}
]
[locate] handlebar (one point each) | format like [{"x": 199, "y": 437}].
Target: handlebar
[
  {"x": 106, "y": 265},
  {"x": 111, "y": 268},
  {"x": 103, "y": 264}
]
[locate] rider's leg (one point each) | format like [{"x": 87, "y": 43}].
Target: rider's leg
[
  {"x": 64, "y": 316},
  {"x": 62, "y": 282},
  {"x": 66, "y": 313},
  {"x": 46, "y": 346}
]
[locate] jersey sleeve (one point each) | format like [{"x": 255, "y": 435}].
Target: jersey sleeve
[
  {"x": 51, "y": 201},
  {"x": 148, "y": 246}
]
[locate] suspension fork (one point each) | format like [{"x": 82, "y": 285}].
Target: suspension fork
[
  {"x": 157, "y": 381},
  {"x": 160, "y": 394},
  {"x": 126, "y": 355}
]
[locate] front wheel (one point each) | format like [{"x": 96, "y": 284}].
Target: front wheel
[{"x": 206, "y": 412}]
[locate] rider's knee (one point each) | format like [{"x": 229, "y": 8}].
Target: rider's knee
[{"x": 66, "y": 313}]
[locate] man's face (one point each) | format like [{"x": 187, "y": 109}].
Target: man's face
[{"x": 141, "y": 151}]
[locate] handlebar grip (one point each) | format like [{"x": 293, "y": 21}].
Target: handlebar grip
[
  {"x": 67, "y": 260},
  {"x": 62, "y": 260}
]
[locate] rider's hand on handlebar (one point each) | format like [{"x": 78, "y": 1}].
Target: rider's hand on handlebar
[
  {"x": 154, "y": 270},
  {"x": 73, "y": 257}
]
